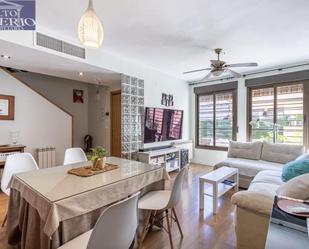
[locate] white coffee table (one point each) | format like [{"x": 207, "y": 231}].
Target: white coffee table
[{"x": 217, "y": 187}]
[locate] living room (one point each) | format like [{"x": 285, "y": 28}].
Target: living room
[{"x": 171, "y": 112}]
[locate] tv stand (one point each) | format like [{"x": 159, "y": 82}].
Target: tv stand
[
  {"x": 169, "y": 158},
  {"x": 156, "y": 148}
]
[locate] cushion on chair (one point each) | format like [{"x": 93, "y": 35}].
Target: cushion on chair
[
  {"x": 281, "y": 153},
  {"x": 245, "y": 150},
  {"x": 80, "y": 242},
  {"x": 154, "y": 200},
  {"x": 297, "y": 188},
  {"x": 294, "y": 169}
]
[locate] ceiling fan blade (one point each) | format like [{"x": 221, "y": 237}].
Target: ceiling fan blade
[
  {"x": 233, "y": 73},
  {"x": 198, "y": 70},
  {"x": 207, "y": 77},
  {"x": 250, "y": 64}
]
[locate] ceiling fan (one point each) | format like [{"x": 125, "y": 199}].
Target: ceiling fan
[{"x": 218, "y": 67}]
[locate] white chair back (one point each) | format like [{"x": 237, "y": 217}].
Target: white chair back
[
  {"x": 116, "y": 227},
  {"x": 74, "y": 155},
  {"x": 16, "y": 163},
  {"x": 177, "y": 188}
]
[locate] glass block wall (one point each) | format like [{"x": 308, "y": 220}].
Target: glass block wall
[{"x": 132, "y": 116}]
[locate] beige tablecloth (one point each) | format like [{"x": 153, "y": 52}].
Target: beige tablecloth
[{"x": 38, "y": 217}]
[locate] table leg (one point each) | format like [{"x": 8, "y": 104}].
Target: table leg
[
  {"x": 215, "y": 197},
  {"x": 236, "y": 180},
  {"x": 201, "y": 194}
]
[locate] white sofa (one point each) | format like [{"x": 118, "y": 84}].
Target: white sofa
[
  {"x": 252, "y": 158},
  {"x": 253, "y": 209},
  {"x": 254, "y": 206}
]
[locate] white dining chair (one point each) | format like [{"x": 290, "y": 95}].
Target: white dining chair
[
  {"x": 16, "y": 163},
  {"x": 115, "y": 229},
  {"x": 74, "y": 155},
  {"x": 155, "y": 202}
]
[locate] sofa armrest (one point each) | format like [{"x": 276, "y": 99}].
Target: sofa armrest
[
  {"x": 254, "y": 201},
  {"x": 221, "y": 164}
]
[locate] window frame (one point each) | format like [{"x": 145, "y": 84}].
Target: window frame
[
  {"x": 275, "y": 86},
  {"x": 197, "y": 119}
]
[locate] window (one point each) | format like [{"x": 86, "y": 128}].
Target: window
[
  {"x": 216, "y": 119},
  {"x": 276, "y": 114}
]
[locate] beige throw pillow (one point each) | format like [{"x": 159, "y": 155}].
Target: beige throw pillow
[
  {"x": 245, "y": 150},
  {"x": 297, "y": 188}
]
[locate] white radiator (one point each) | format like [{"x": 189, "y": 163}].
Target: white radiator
[{"x": 46, "y": 157}]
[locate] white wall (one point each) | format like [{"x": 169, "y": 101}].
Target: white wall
[
  {"x": 156, "y": 82},
  {"x": 60, "y": 91},
  {"x": 40, "y": 122},
  {"x": 99, "y": 123},
  {"x": 211, "y": 157}
]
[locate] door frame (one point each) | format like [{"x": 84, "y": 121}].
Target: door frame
[{"x": 111, "y": 119}]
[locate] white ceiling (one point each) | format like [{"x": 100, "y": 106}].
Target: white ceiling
[
  {"x": 179, "y": 35},
  {"x": 45, "y": 63}
]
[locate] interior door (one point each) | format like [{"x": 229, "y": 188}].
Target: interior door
[{"x": 116, "y": 123}]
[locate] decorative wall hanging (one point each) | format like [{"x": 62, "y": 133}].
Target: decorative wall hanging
[
  {"x": 167, "y": 99},
  {"x": 78, "y": 96},
  {"x": 7, "y": 107},
  {"x": 132, "y": 116}
]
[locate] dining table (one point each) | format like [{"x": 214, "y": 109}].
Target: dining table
[{"x": 49, "y": 207}]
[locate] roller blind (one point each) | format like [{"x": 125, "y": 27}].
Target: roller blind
[
  {"x": 216, "y": 88},
  {"x": 280, "y": 78}
]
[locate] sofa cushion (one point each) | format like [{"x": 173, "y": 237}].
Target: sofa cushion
[
  {"x": 294, "y": 169},
  {"x": 297, "y": 188},
  {"x": 267, "y": 181},
  {"x": 281, "y": 153},
  {"x": 261, "y": 193},
  {"x": 245, "y": 150},
  {"x": 249, "y": 167}
]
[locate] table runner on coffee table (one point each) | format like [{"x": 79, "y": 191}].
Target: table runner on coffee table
[{"x": 56, "y": 201}]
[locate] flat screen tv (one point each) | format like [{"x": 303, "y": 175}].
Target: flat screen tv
[{"x": 162, "y": 125}]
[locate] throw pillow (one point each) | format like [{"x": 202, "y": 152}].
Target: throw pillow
[
  {"x": 304, "y": 156},
  {"x": 245, "y": 150},
  {"x": 295, "y": 168},
  {"x": 297, "y": 188}
]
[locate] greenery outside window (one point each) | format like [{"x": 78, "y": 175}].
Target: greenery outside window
[
  {"x": 276, "y": 113},
  {"x": 216, "y": 119}
]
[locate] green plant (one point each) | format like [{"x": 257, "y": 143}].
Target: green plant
[{"x": 97, "y": 153}]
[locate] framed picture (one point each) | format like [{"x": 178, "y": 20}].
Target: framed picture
[
  {"x": 7, "y": 107},
  {"x": 163, "y": 99},
  {"x": 170, "y": 100},
  {"x": 167, "y": 99},
  {"x": 78, "y": 96}
]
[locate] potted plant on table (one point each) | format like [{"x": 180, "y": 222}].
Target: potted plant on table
[{"x": 98, "y": 157}]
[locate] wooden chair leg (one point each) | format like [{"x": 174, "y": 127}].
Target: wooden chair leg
[
  {"x": 177, "y": 221},
  {"x": 4, "y": 221},
  {"x": 169, "y": 229},
  {"x": 146, "y": 223}
]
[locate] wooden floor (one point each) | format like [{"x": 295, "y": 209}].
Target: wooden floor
[{"x": 202, "y": 230}]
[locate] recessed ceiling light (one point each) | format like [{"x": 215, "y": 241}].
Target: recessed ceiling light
[
  {"x": 5, "y": 56},
  {"x": 81, "y": 73}
]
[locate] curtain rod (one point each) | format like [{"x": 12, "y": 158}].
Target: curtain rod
[{"x": 249, "y": 74}]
